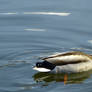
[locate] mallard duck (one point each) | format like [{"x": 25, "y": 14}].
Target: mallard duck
[{"x": 70, "y": 62}]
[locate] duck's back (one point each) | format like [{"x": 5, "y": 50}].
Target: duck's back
[{"x": 68, "y": 58}]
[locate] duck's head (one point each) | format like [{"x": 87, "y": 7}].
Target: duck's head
[{"x": 44, "y": 66}]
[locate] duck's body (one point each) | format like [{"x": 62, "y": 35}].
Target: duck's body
[{"x": 74, "y": 61}]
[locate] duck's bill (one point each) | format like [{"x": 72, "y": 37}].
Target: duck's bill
[{"x": 41, "y": 69}]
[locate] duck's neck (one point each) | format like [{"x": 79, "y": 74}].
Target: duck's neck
[{"x": 48, "y": 65}]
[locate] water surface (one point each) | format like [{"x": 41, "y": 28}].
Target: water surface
[{"x": 30, "y": 29}]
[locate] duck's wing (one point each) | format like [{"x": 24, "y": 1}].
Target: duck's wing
[{"x": 68, "y": 58}]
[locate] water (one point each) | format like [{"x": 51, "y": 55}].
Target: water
[{"x": 30, "y": 29}]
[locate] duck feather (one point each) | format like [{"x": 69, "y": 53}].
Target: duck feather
[{"x": 72, "y": 57}]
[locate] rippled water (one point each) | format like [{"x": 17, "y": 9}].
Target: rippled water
[{"x": 30, "y": 29}]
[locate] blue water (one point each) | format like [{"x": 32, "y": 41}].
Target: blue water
[{"x": 30, "y": 29}]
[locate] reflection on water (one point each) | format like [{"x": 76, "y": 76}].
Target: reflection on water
[
  {"x": 49, "y": 13},
  {"x": 35, "y": 29},
  {"x": 37, "y": 13},
  {"x": 71, "y": 78},
  {"x": 90, "y": 41},
  {"x": 9, "y": 13}
]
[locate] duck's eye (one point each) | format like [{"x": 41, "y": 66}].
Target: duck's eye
[{"x": 39, "y": 64}]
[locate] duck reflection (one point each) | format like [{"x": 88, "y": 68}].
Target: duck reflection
[{"x": 65, "y": 78}]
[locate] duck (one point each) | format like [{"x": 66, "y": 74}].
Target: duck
[{"x": 65, "y": 62}]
